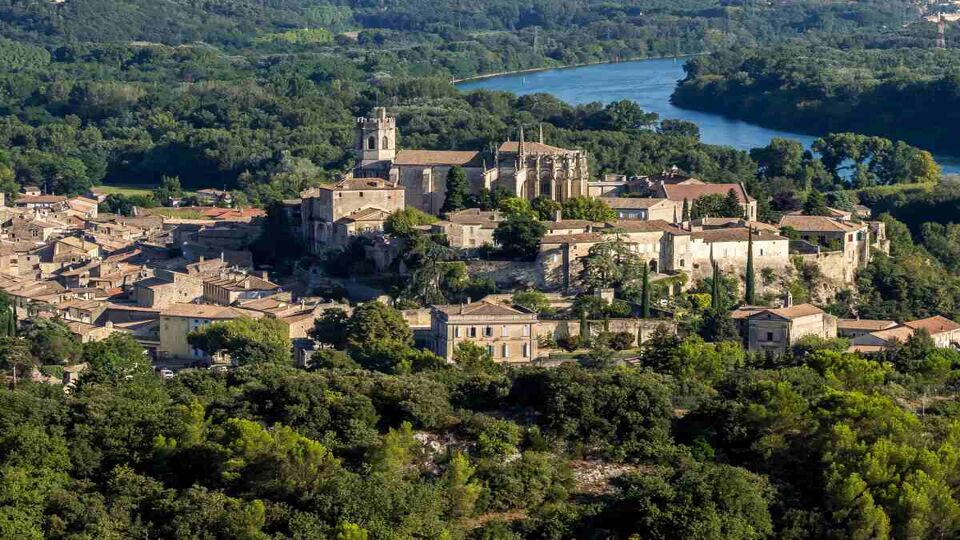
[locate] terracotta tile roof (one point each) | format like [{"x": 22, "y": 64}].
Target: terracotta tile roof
[
  {"x": 512, "y": 147},
  {"x": 208, "y": 311},
  {"x": 480, "y": 308},
  {"x": 679, "y": 192},
  {"x": 633, "y": 203},
  {"x": 740, "y": 234},
  {"x": 817, "y": 224},
  {"x": 834, "y": 212},
  {"x": 475, "y": 216},
  {"x": 366, "y": 214},
  {"x": 790, "y": 313},
  {"x": 933, "y": 325},
  {"x": 24, "y": 200},
  {"x": 580, "y": 238},
  {"x": 356, "y": 184},
  {"x": 436, "y": 157},
  {"x": 864, "y": 324},
  {"x": 570, "y": 224},
  {"x": 652, "y": 225},
  {"x": 900, "y": 333}
]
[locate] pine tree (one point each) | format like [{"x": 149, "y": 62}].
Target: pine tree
[
  {"x": 685, "y": 216},
  {"x": 645, "y": 293},
  {"x": 750, "y": 288}
]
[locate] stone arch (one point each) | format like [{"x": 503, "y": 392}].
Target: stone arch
[
  {"x": 653, "y": 265},
  {"x": 372, "y": 142},
  {"x": 386, "y": 143}
]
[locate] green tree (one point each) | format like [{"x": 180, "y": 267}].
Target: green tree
[
  {"x": 472, "y": 357},
  {"x": 458, "y": 190},
  {"x": 533, "y": 300},
  {"x": 168, "y": 189},
  {"x": 330, "y": 328},
  {"x": 462, "y": 491},
  {"x": 246, "y": 341},
  {"x": 588, "y": 208},
  {"x": 546, "y": 208},
  {"x": 51, "y": 341},
  {"x": 519, "y": 237},
  {"x": 717, "y": 205},
  {"x": 815, "y": 204},
  {"x": 403, "y": 222},
  {"x": 277, "y": 244}
]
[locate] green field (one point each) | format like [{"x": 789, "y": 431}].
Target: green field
[{"x": 133, "y": 189}]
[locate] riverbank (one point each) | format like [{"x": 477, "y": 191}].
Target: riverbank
[
  {"x": 570, "y": 66},
  {"x": 650, "y": 83}
]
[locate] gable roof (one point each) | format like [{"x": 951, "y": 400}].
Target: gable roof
[
  {"x": 651, "y": 225},
  {"x": 483, "y": 307},
  {"x": 933, "y": 325},
  {"x": 370, "y": 213},
  {"x": 789, "y": 313},
  {"x": 731, "y": 234},
  {"x": 208, "y": 311},
  {"x": 436, "y": 157},
  {"x": 633, "y": 203},
  {"x": 512, "y": 147},
  {"x": 864, "y": 324},
  {"x": 817, "y": 224},
  {"x": 690, "y": 192}
]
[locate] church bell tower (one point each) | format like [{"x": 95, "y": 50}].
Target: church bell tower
[{"x": 377, "y": 137}]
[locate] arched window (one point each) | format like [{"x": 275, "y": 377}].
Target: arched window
[
  {"x": 682, "y": 263},
  {"x": 372, "y": 143},
  {"x": 386, "y": 144},
  {"x": 653, "y": 265}
]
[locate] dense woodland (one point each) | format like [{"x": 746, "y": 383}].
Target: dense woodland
[
  {"x": 382, "y": 440},
  {"x": 819, "y": 89}
]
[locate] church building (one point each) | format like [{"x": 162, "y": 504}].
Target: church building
[{"x": 525, "y": 169}]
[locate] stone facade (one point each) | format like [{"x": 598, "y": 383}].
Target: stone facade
[
  {"x": 776, "y": 329},
  {"x": 345, "y": 205},
  {"x": 525, "y": 169},
  {"x": 509, "y": 335}
]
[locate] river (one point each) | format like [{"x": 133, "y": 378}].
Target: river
[{"x": 649, "y": 83}]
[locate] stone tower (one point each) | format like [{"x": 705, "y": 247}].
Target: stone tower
[{"x": 377, "y": 137}]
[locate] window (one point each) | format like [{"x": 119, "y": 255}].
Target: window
[
  {"x": 526, "y": 330},
  {"x": 769, "y": 336},
  {"x": 526, "y": 350},
  {"x": 849, "y": 238},
  {"x": 456, "y": 331},
  {"x": 761, "y": 253},
  {"x": 372, "y": 143},
  {"x": 488, "y": 331},
  {"x": 682, "y": 263},
  {"x": 490, "y": 350},
  {"x": 506, "y": 350},
  {"x": 504, "y": 331},
  {"x": 473, "y": 331},
  {"x": 386, "y": 143}
]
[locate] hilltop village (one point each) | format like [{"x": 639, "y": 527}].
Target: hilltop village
[{"x": 160, "y": 276}]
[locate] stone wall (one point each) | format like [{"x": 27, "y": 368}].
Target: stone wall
[
  {"x": 507, "y": 274},
  {"x": 641, "y": 329}
]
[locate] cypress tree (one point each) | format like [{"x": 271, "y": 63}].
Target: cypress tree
[
  {"x": 12, "y": 321},
  {"x": 584, "y": 330},
  {"x": 645, "y": 293},
  {"x": 750, "y": 291},
  {"x": 715, "y": 288},
  {"x": 686, "y": 210}
]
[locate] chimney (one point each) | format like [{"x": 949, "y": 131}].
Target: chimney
[
  {"x": 788, "y": 299},
  {"x": 264, "y": 275}
]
